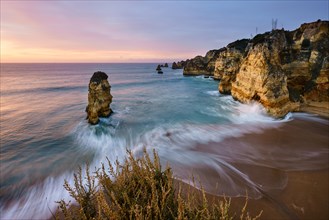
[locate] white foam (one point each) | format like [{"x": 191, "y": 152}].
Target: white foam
[
  {"x": 253, "y": 112},
  {"x": 174, "y": 142},
  {"x": 309, "y": 117},
  {"x": 250, "y": 113},
  {"x": 213, "y": 93},
  {"x": 39, "y": 202},
  {"x": 184, "y": 136}
]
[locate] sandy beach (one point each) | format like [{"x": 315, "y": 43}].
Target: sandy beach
[{"x": 292, "y": 184}]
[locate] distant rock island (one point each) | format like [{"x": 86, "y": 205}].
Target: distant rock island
[
  {"x": 283, "y": 70},
  {"x": 99, "y": 98}
]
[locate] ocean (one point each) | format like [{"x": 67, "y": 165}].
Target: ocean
[{"x": 45, "y": 136}]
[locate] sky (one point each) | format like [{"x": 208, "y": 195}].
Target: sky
[{"x": 139, "y": 31}]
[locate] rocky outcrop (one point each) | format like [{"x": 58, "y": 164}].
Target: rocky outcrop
[
  {"x": 320, "y": 90},
  {"x": 200, "y": 65},
  {"x": 174, "y": 66},
  {"x": 284, "y": 70},
  {"x": 158, "y": 68},
  {"x": 228, "y": 63},
  {"x": 99, "y": 98},
  {"x": 305, "y": 62},
  {"x": 196, "y": 66},
  {"x": 261, "y": 77},
  {"x": 178, "y": 65},
  {"x": 162, "y": 65}
]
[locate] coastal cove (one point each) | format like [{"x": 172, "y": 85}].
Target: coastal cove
[
  {"x": 233, "y": 148},
  {"x": 285, "y": 71}
]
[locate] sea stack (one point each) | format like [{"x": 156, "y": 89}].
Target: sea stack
[{"x": 99, "y": 98}]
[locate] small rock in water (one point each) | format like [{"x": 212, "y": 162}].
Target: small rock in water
[
  {"x": 158, "y": 68},
  {"x": 99, "y": 98}
]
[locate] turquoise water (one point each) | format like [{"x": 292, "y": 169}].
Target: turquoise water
[{"x": 45, "y": 137}]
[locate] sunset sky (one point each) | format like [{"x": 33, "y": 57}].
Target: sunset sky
[{"x": 139, "y": 31}]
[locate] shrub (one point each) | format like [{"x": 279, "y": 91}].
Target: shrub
[{"x": 139, "y": 189}]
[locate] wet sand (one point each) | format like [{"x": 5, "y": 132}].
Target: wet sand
[
  {"x": 305, "y": 197},
  {"x": 283, "y": 169},
  {"x": 301, "y": 191}
]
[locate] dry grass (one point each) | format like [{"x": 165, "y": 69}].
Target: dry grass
[{"x": 139, "y": 189}]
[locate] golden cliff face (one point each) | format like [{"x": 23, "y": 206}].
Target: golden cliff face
[
  {"x": 99, "y": 98},
  {"x": 261, "y": 78},
  {"x": 226, "y": 67},
  {"x": 285, "y": 70}
]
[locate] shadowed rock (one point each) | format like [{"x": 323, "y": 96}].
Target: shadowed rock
[
  {"x": 178, "y": 65},
  {"x": 200, "y": 65},
  {"x": 99, "y": 98},
  {"x": 228, "y": 64}
]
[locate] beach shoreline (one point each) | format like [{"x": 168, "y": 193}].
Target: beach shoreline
[
  {"x": 303, "y": 190},
  {"x": 318, "y": 108},
  {"x": 299, "y": 187}
]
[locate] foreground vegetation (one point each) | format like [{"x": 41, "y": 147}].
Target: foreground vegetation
[{"x": 139, "y": 189}]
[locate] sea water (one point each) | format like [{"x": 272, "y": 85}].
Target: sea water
[{"x": 45, "y": 137}]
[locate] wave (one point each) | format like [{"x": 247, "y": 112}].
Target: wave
[
  {"x": 39, "y": 200},
  {"x": 213, "y": 93},
  {"x": 213, "y": 153},
  {"x": 254, "y": 112}
]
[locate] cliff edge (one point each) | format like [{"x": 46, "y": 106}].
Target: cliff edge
[
  {"x": 283, "y": 70},
  {"x": 286, "y": 71}
]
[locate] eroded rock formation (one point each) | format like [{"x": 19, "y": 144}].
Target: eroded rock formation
[
  {"x": 99, "y": 98},
  {"x": 178, "y": 65},
  {"x": 200, "y": 65},
  {"x": 261, "y": 77},
  {"x": 284, "y": 70},
  {"x": 228, "y": 63}
]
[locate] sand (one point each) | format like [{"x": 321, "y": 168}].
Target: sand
[
  {"x": 302, "y": 181},
  {"x": 289, "y": 163}
]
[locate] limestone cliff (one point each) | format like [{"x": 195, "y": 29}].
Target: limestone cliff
[
  {"x": 99, "y": 98},
  {"x": 178, "y": 65},
  {"x": 284, "y": 70},
  {"x": 261, "y": 77},
  {"x": 228, "y": 64},
  {"x": 200, "y": 65}
]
